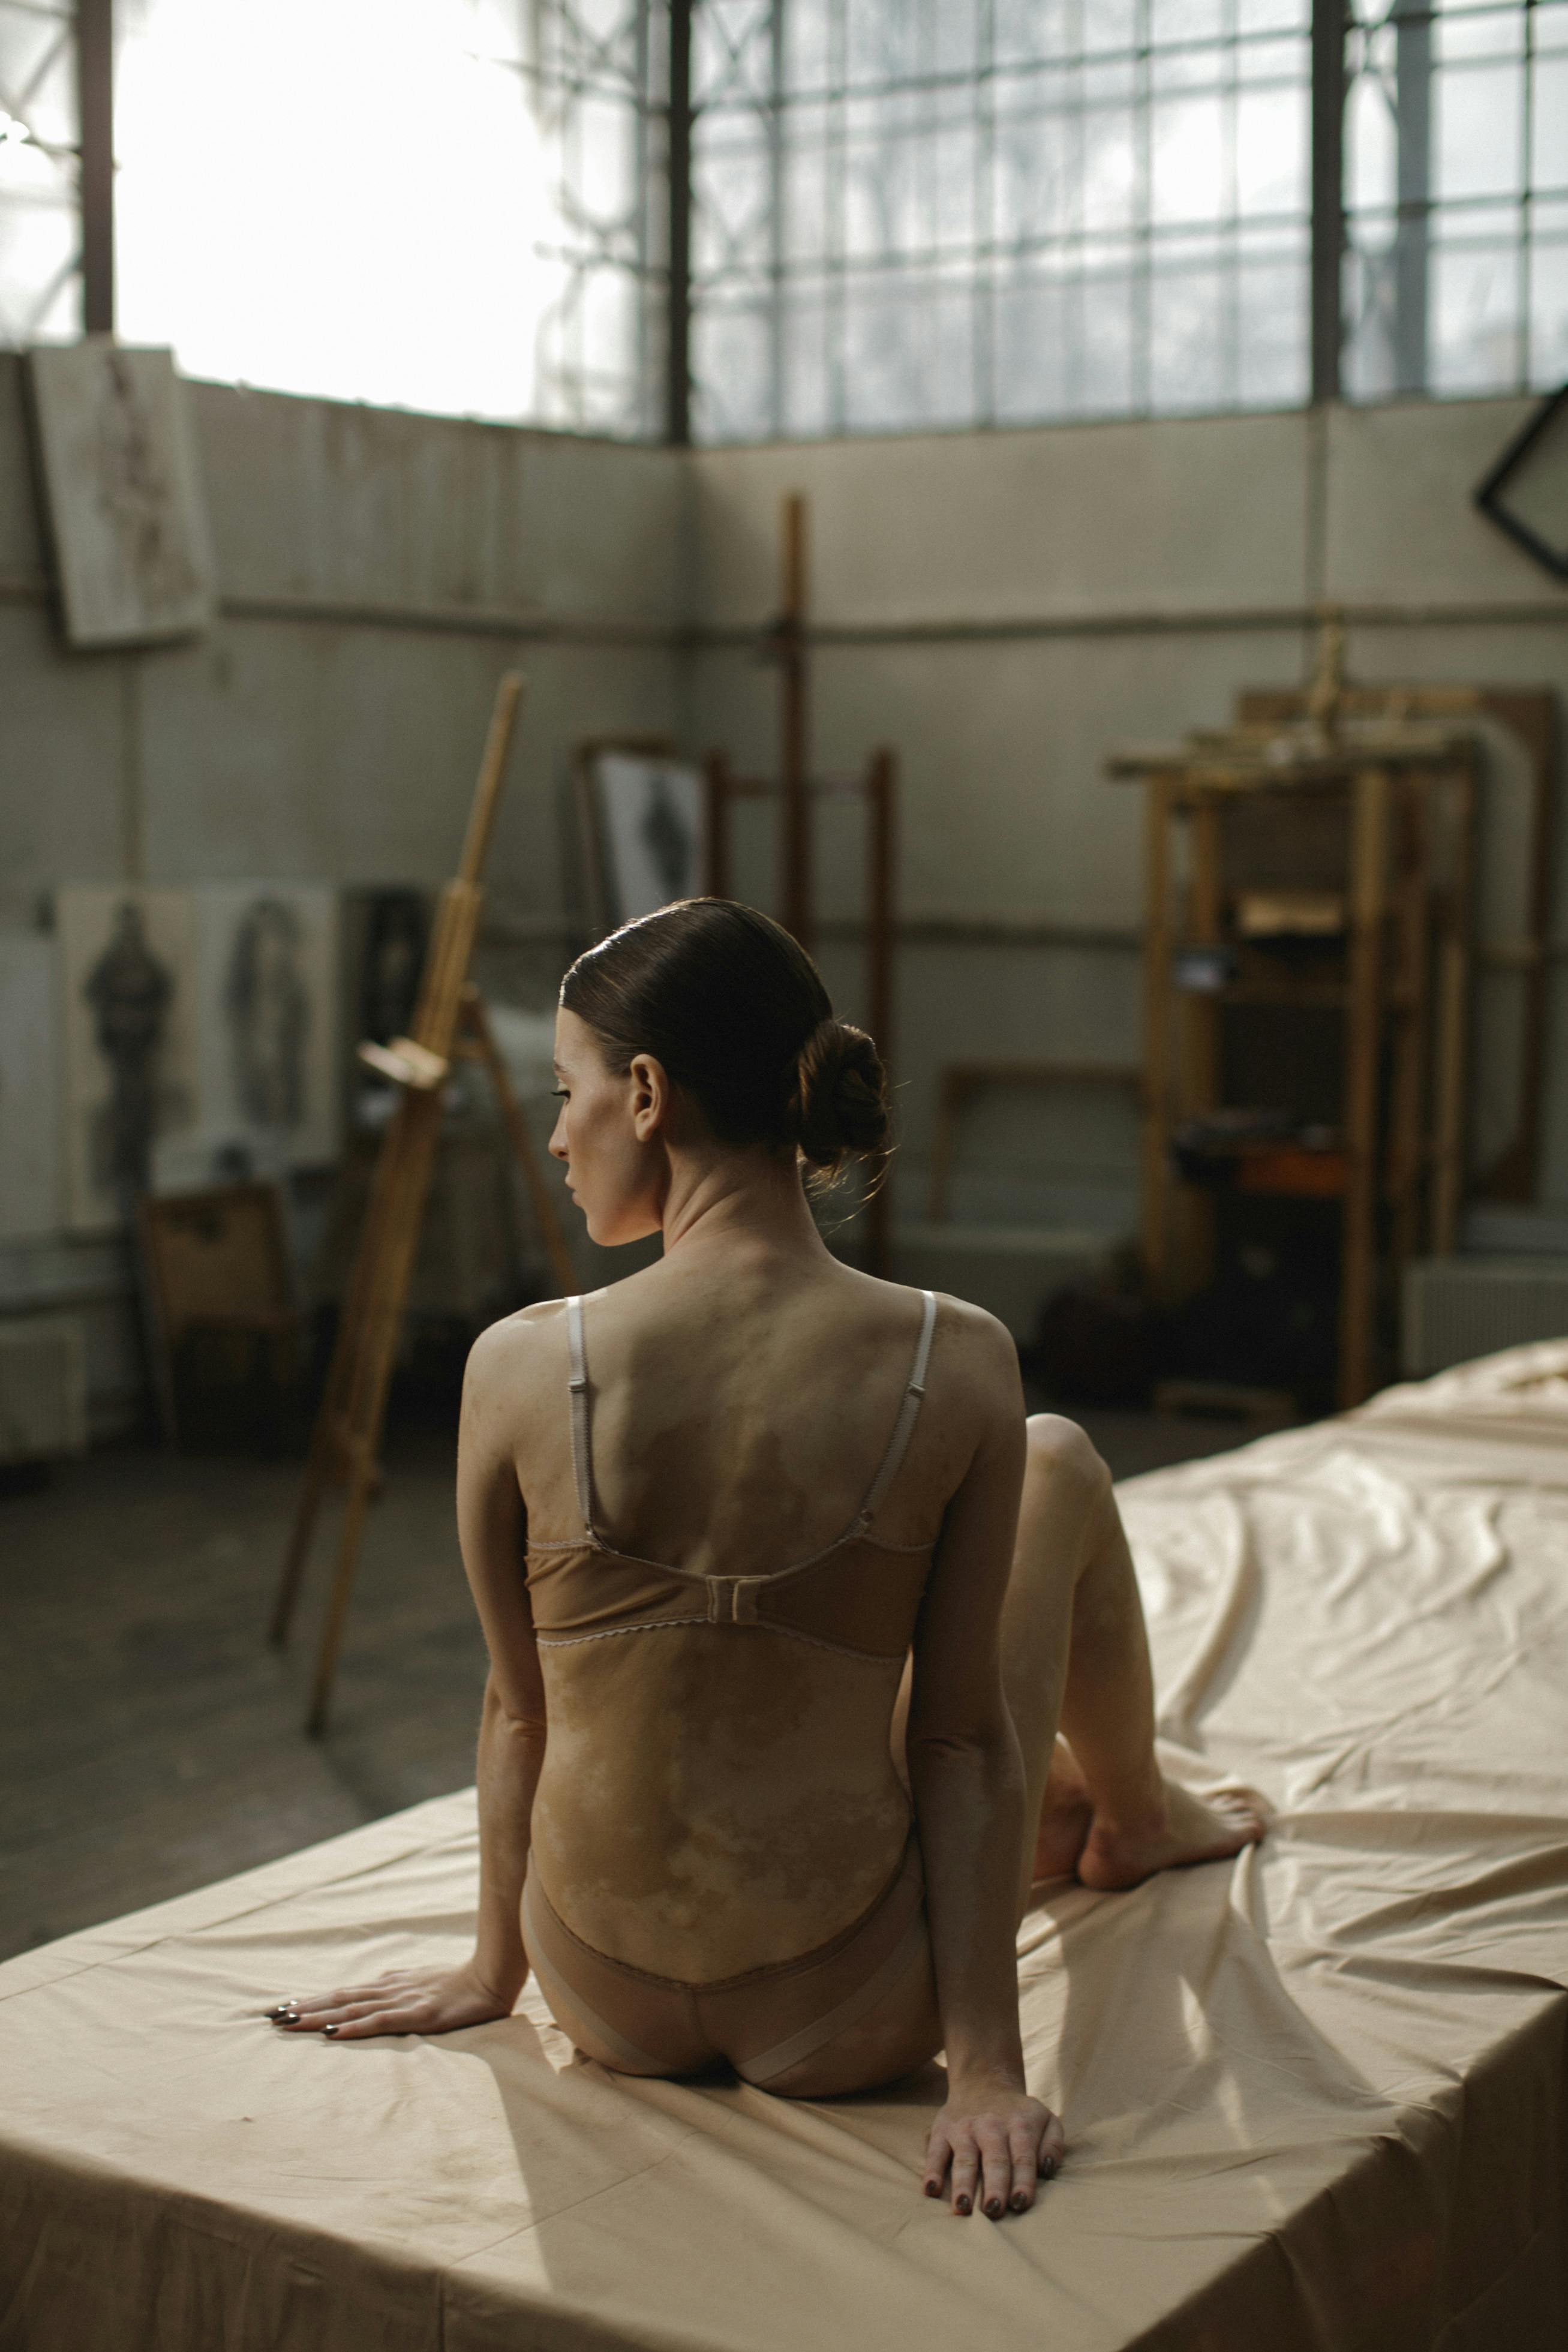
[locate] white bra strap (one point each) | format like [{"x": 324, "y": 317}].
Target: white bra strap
[
  {"x": 577, "y": 1388},
  {"x": 904, "y": 1427}
]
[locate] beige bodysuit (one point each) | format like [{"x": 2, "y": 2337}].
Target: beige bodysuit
[{"x": 857, "y": 1600}]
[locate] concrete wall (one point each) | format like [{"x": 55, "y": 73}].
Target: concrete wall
[
  {"x": 1005, "y": 606},
  {"x": 1001, "y": 607},
  {"x": 376, "y": 573}
]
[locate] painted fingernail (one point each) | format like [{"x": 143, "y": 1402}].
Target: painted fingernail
[
  {"x": 964, "y": 2204},
  {"x": 933, "y": 2188},
  {"x": 1048, "y": 2168},
  {"x": 994, "y": 2207},
  {"x": 1020, "y": 2202},
  {"x": 329, "y": 2031}
]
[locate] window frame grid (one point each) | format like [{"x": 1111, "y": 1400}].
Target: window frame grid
[{"x": 725, "y": 290}]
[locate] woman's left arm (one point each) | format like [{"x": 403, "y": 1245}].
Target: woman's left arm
[
  {"x": 490, "y": 1525},
  {"x": 992, "y": 2140}
]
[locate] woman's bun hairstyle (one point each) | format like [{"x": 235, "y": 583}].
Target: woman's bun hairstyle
[
  {"x": 839, "y": 1104},
  {"x": 736, "y": 1012}
]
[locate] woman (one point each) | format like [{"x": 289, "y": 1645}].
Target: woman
[{"x": 768, "y": 1758}]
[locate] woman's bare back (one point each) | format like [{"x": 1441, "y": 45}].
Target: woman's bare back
[{"x": 714, "y": 1797}]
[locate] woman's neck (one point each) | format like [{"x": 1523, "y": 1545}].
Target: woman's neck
[{"x": 718, "y": 1198}]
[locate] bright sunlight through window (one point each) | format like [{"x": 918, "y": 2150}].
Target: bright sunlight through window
[{"x": 383, "y": 201}]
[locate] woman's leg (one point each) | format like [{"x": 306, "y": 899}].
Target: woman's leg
[{"x": 1075, "y": 1659}]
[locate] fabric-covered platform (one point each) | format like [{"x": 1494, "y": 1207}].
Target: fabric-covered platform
[{"x": 1314, "y": 2099}]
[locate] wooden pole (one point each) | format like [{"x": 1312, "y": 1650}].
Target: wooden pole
[
  {"x": 717, "y": 881},
  {"x": 794, "y": 758},
  {"x": 881, "y": 851},
  {"x": 1363, "y": 1045},
  {"x": 402, "y": 1175},
  {"x": 1412, "y": 1023},
  {"x": 1200, "y": 1041},
  {"x": 1156, "y": 1033},
  {"x": 476, "y": 1022},
  {"x": 492, "y": 776},
  {"x": 1451, "y": 1077}
]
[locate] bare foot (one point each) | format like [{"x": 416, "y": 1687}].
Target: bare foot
[
  {"x": 1066, "y": 1815},
  {"x": 1193, "y": 1830}
]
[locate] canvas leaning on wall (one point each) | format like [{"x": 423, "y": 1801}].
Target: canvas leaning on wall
[{"x": 124, "y": 490}]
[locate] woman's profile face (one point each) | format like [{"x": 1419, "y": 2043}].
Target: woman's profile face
[{"x": 613, "y": 1171}]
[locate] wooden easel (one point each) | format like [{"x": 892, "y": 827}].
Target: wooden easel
[
  {"x": 799, "y": 794},
  {"x": 449, "y": 1023}
]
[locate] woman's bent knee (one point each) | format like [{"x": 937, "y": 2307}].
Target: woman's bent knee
[{"x": 1057, "y": 1448}]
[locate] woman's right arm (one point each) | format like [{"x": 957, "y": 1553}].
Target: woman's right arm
[
  {"x": 491, "y": 1530},
  {"x": 512, "y": 1727}
]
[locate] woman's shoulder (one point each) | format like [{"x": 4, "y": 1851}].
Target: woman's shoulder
[
  {"x": 963, "y": 1323},
  {"x": 522, "y": 1352},
  {"x": 968, "y": 1344}
]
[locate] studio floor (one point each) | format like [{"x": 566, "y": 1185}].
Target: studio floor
[{"x": 150, "y": 1740}]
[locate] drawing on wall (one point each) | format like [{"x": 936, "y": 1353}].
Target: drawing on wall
[
  {"x": 124, "y": 492},
  {"x": 266, "y": 1025},
  {"x": 649, "y": 821},
  {"x": 128, "y": 1002},
  {"x": 29, "y": 1086}
]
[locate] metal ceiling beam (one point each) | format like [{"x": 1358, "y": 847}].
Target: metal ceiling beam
[
  {"x": 1328, "y": 28},
  {"x": 95, "y": 99},
  {"x": 677, "y": 387}
]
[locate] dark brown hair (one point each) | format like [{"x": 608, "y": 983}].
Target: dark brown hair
[{"x": 736, "y": 1012}]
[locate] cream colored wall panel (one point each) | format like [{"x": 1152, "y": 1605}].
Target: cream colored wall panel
[
  {"x": 63, "y": 726},
  {"x": 1066, "y": 520},
  {"x": 317, "y": 498},
  {"x": 1401, "y": 524},
  {"x": 352, "y": 753},
  {"x": 1002, "y": 746}
]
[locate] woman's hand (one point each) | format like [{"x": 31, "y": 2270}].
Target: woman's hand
[
  {"x": 990, "y": 2144},
  {"x": 403, "y": 2000}
]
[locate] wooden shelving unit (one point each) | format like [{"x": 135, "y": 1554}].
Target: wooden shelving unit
[{"x": 1395, "y": 803}]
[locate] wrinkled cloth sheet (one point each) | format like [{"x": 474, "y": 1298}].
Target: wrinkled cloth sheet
[{"x": 1314, "y": 2098}]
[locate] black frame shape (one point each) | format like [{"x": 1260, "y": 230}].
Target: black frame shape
[{"x": 1487, "y": 492}]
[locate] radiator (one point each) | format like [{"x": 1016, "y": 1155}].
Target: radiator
[
  {"x": 43, "y": 1387},
  {"x": 1456, "y": 1308}
]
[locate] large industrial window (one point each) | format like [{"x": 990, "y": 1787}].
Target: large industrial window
[
  {"x": 903, "y": 213},
  {"x": 967, "y": 212},
  {"x": 440, "y": 205},
  {"x": 1457, "y": 197},
  {"x": 429, "y": 203},
  {"x": 40, "y": 289}
]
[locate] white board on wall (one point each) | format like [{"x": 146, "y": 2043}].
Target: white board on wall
[
  {"x": 30, "y": 1204},
  {"x": 126, "y": 511}
]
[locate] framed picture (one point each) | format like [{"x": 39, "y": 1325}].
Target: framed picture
[
  {"x": 644, "y": 821},
  {"x": 128, "y": 1017},
  {"x": 124, "y": 494}
]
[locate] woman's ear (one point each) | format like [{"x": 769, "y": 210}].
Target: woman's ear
[{"x": 652, "y": 1096}]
